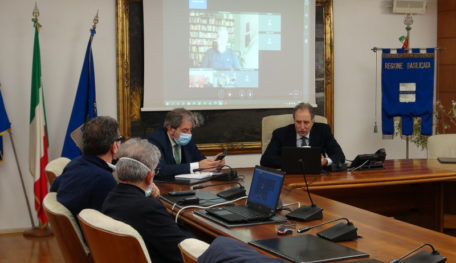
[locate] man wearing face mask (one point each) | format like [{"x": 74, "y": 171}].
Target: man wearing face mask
[
  {"x": 87, "y": 179},
  {"x": 179, "y": 154},
  {"x": 135, "y": 201},
  {"x": 304, "y": 132}
]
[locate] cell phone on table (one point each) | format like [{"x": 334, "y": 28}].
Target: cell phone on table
[{"x": 221, "y": 156}]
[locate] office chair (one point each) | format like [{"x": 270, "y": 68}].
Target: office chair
[
  {"x": 55, "y": 168},
  {"x": 191, "y": 249},
  {"x": 111, "y": 240},
  {"x": 66, "y": 230}
]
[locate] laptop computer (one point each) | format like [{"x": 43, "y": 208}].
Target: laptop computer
[
  {"x": 262, "y": 200},
  {"x": 291, "y": 158}
]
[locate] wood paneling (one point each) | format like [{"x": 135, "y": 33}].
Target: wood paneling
[
  {"x": 446, "y": 5},
  {"x": 447, "y": 24},
  {"x": 447, "y": 78},
  {"x": 447, "y": 54},
  {"x": 446, "y": 39}
]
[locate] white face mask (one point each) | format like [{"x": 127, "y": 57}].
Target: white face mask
[{"x": 149, "y": 190}]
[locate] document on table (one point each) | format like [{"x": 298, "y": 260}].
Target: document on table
[{"x": 194, "y": 176}]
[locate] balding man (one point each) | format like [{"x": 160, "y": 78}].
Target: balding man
[{"x": 304, "y": 132}]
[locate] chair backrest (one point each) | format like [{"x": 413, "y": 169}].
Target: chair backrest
[
  {"x": 272, "y": 122},
  {"x": 66, "y": 230},
  {"x": 55, "y": 168},
  {"x": 191, "y": 249},
  {"x": 441, "y": 145},
  {"x": 111, "y": 240}
]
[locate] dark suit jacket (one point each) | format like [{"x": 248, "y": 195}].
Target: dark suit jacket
[
  {"x": 84, "y": 183},
  {"x": 167, "y": 165},
  {"x": 224, "y": 249},
  {"x": 320, "y": 136},
  {"x": 127, "y": 203}
]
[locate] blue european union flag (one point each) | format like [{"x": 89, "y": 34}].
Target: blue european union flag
[
  {"x": 5, "y": 125},
  {"x": 84, "y": 107}
]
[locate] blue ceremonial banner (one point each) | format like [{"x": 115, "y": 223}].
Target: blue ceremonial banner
[
  {"x": 407, "y": 89},
  {"x": 5, "y": 125},
  {"x": 84, "y": 107}
]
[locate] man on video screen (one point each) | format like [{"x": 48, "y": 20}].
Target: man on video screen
[{"x": 220, "y": 56}]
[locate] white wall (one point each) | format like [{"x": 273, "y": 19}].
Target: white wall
[
  {"x": 359, "y": 25},
  {"x": 63, "y": 39}
]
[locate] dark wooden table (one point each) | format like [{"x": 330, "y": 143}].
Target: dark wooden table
[{"x": 384, "y": 238}]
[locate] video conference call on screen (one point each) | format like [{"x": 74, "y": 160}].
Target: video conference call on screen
[{"x": 229, "y": 53}]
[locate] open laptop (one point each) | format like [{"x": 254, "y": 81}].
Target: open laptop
[
  {"x": 262, "y": 200},
  {"x": 291, "y": 158}
]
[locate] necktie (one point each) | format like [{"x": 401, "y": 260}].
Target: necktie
[
  {"x": 176, "y": 153},
  {"x": 304, "y": 141}
]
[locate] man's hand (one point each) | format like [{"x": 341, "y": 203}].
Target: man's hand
[
  {"x": 210, "y": 164},
  {"x": 221, "y": 162},
  {"x": 324, "y": 162}
]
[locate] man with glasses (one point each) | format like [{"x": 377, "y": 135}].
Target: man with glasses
[
  {"x": 87, "y": 179},
  {"x": 304, "y": 132},
  {"x": 179, "y": 154}
]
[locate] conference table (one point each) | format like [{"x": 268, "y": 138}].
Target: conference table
[{"x": 383, "y": 237}]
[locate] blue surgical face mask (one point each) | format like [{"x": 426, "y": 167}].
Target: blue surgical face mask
[{"x": 184, "y": 139}]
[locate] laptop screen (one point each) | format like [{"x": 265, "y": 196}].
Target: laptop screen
[{"x": 265, "y": 187}]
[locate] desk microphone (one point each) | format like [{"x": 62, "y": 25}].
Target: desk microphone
[
  {"x": 340, "y": 232},
  {"x": 423, "y": 256},
  {"x": 306, "y": 213}
]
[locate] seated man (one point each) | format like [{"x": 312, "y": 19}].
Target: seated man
[
  {"x": 134, "y": 201},
  {"x": 220, "y": 56},
  {"x": 304, "y": 132},
  {"x": 87, "y": 179},
  {"x": 179, "y": 154}
]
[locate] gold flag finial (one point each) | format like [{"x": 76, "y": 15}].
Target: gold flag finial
[
  {"x": 36, "y": 12},
  {"x": 95, "y": 21}
]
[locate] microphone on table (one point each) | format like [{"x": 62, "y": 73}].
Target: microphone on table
[
  {"x": 340, "y": 232},
  {"x": 306, "y": 213},
  {"x": 423, "y": 256},
  {"x": 228, "y": 176}
]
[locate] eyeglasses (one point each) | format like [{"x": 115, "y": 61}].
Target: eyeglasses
[
  {"x": 156, "y": 171},
  {"x": 120, "y": 139}
]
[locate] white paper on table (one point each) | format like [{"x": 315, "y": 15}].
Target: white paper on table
[{"x": 194, "y": 176}]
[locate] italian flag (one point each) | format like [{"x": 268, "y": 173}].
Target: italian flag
[{"x": 38, "y": 151}]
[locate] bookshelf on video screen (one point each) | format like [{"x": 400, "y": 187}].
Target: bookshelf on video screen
[{"x": 228, "y": 54}]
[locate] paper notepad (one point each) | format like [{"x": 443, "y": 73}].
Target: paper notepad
[{"x": 202, "y": 175}]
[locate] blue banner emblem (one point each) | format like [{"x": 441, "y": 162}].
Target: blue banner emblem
[{"x": 407, "y": 89}]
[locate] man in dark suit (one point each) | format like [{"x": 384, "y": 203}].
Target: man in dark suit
[
  {"x": 134, "y": 201},
  {"x": 179, "y": 152},
  {"x": 86, "y": 180},
  {"x": 304, "y": 132}
]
